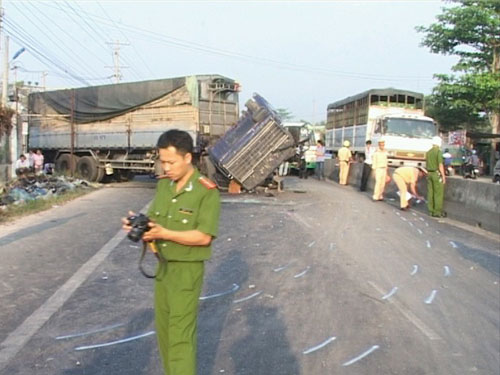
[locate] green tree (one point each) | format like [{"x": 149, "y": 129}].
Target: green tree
[
  {"x": 470, "y": 31},
  {"x": 284, "y": 114}
]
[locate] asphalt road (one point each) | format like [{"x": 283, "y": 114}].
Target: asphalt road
[{"x": 315, "y": 280}]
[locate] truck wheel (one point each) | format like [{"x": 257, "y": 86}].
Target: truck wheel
[
  {"x": 100, "y": 174},
  {"x": 65, "y": 164},
  {"x": 87, "y": 168},
  {"x": 259, "y": 115}
]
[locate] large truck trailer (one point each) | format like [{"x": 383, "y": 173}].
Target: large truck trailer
[
  {"x": 113, "y": 129},
  {"x": 396, "y": 115}
]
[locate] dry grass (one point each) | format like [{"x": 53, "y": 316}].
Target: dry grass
[{"x": 31, "y": 207}]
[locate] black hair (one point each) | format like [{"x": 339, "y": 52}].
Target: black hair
[
  {"x": 179, "y": 139},
  {"x": 320, "y": 142},
  {"x": 368, "y": 142},
  {"x": 22, "y": 156}
]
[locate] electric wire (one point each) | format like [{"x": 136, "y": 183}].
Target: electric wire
[
  {"x": 145, "y": 64},
  {"x": 24, "y": 39},
  {"x": 194, "y": 46},
  {"x": 93, "y": 28},
  {"x": 59, "y": 42}
]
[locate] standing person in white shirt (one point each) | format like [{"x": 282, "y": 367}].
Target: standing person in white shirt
[
  {"x": 367, "y": 165},
  {"x": 320, "y": 160}
]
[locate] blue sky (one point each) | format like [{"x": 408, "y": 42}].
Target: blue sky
[{"x": 299, "y": 55}]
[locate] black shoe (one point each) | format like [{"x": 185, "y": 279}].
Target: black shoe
[{"x": 405, "y": 208}]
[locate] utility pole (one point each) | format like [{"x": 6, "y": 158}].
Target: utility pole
[{"x": 117, "y": 75}]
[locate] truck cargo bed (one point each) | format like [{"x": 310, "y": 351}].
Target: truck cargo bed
[{"x": 251, "y": 150}]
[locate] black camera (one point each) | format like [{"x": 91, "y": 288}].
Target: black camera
[{"x": 139, "y": 224}]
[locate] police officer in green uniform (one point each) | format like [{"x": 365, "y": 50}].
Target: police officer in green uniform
[
  {"x": 435, "y": 179},
  {"x": 185, "y": 215}
]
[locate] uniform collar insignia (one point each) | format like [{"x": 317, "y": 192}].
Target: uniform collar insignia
[{"x": 189, "y": 187}]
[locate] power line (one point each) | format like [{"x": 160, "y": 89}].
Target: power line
[
  {"x": 16, "y": 32},
  {"x": 68, "y": 51},
  {"x": 194, "y": 46}
]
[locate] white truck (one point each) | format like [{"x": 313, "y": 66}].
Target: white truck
[{"x": 396, "y": 115}]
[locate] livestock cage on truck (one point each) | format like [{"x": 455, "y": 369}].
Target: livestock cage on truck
[
  {"x": 113, "y": 129},
  {"x": 396, "y": 115}
]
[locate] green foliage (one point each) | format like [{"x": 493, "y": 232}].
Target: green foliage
[
  {"x": 284, "y": 114},
  {"x": 470, "y": 31}
]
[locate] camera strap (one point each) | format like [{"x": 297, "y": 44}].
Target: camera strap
[{"x": 154, "y": 250}]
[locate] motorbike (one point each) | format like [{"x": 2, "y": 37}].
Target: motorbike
[{"x": 470, "y": 171}]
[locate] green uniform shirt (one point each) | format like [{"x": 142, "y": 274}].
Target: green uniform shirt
[
  {"x": 433, "y": 158},
  {"x": 194, "y": 207}
]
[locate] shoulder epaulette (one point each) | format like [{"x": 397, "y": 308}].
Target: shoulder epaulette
[{"x": 207, "y": 183}]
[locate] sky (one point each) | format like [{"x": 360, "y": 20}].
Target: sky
[{"x": 299, "y": 55}]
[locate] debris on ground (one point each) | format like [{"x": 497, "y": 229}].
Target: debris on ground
[{"x": 33, "y": 187}]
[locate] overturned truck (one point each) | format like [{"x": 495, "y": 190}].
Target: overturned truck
[
  {"x": 113, "y": 129},
  {"x": 252, "y": 150}
]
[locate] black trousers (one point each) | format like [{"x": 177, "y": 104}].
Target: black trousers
[{"x": 367, "y": 170}]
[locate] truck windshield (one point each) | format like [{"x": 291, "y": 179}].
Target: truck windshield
[{"x": 410, "y": 128}]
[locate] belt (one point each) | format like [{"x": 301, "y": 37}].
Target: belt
[{"x": 435, "y": 170}]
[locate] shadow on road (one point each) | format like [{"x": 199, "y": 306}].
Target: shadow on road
[
  {"x": 258, "y": 351},
  {"x": 488, "y": 261},
  {"x": 213, "y": 312},
  {"x": 37, "y": 229},
  {"x": 121, "y": 359}
]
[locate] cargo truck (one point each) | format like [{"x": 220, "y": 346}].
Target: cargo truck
[
  {"x": 396, "y": 115},
  {"x": 113, "y": 129}
]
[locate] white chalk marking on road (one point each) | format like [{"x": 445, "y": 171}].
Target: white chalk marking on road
[
  {"x": 332, "y": 245},
  {"x": 428, "y": 244},
  {"x": 299, "y": 219},
  {"x": 415, "y": 270},
  {"x": 134, "y": 246},
  {"x": 391, "y": 293},
  {"x": 311, "y": 244},
  {"x": 420, "y": 231},
  {"x": 410, "y": 223},
  {"x": 408, "y": 314},
  {"x": 397, "y": 213},
  {"x": 426, "y": 224},
  {"x": 281, "y": 268},
  {"x": 247, "y": 297},
  {"x": 429, "y": 299},
  {"x": 361, "y": 356},
  {"x": 377, "y": 229},
  {"x": 403, "y": 218},
  {"x": 437, "y": 232},
  {"x": 319, "y": 346},
  {"x": 302, "y": 273},
  {"x": 414, "y": 214},
  {"x": 447, "y": 271},
  {"x": 421, "y": 218},
  {"x": 232, "y": 290},
  {"x": 454, "y": 245},
  {"x": 108, "y": 328},
  {"x": 128, "y": 339},
  {"x": 23, "y": 333}
]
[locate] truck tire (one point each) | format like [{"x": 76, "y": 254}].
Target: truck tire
[
  {"x": 259, "y": 115},
  {"x": 65, "y": 164},
  {"x": 87, "y": 168}
]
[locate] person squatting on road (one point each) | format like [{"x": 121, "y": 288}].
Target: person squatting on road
[
  {"x": 185, "y": 219},
  {"x": 379, "y": 165},
  {"x": 320, "y": 160},
  {"x": 404, "y": 176},
  {"x": 435, "y": 179},
  {"x": 367, "y": 165},
  {"x": 345, "y": 157}
]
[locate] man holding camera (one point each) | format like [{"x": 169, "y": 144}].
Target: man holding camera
[{"x": 184, "y": 220}]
